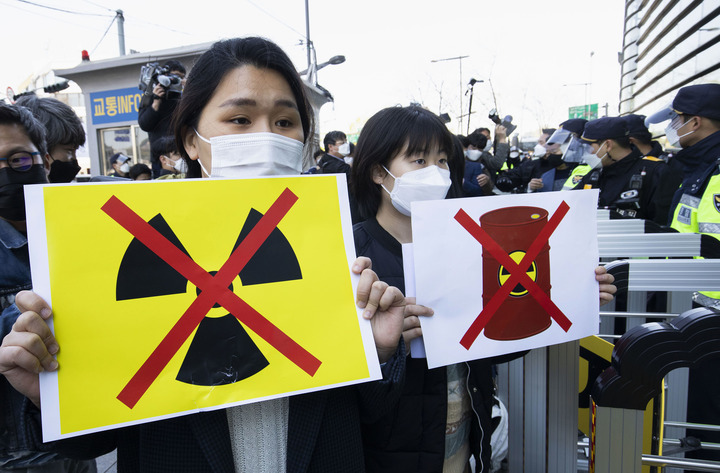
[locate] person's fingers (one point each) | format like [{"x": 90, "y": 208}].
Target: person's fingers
[
  {"x": 410, "y": 322},
  {"x": 411, "y": 334},
  {"x": 417, "y": 310},
  {"x": 606, "y": 297},
  {"x": 374, "y": 299},
  {"x": 362, "y": 263},
  {"x": 382, "y": 298},
  {"x": 32, "y": 332},
  {"x": 608, "y": 289},
  {"x": 27, "y": 351},
  {"x": 390, "y": 297},
  {"x": 29, "y": 301},
  {"x": 33, "y": 323},
  {"x": 605, "y": 278},
  {"x": 364, "y": 288}
]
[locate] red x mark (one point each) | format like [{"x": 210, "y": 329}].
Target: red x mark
[
  {"x": 517, "y": 275},
  {"x": 214, "y": 289}
]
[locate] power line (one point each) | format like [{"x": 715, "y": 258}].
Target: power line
[
  {"x": 60, "y": 9},
  {"x": 154, "y": 24},
  {"x": 104, "y": 34},
  {"x": 275, "y": 18},
  {"x": 99, "y": 6},
  {"x": 37, "y": 13}
]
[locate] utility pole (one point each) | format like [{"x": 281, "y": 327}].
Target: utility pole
[
  {"x": 307, "y": 33},
  {"x": 121, "y": 30},
  {"x": 459, "y": 59}
]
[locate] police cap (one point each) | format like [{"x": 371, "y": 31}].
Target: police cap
[
  {"x": 702, "y": 100},
  {"x": 574, "y": 125},
  {"x": 604, "y": 128},
  {"x": 636, "y": 124}
]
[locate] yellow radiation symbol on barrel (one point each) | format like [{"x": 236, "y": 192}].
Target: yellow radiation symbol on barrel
[{"x": 504, "y": 274}]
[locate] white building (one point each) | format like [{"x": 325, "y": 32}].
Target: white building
[{"x": 668, "y": 44}]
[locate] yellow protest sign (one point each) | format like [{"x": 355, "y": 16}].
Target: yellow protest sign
[{"x": 172, "y": 297}]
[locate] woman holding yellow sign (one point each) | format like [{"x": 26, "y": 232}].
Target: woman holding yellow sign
[{"x": 243, "y": 113}]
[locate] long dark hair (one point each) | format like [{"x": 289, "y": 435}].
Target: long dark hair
[
  {"x": 211, "y": 68},
  {"x": 413, "y": 130}
]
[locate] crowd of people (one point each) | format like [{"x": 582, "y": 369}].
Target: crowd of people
[{"x": 415, "y": 419}]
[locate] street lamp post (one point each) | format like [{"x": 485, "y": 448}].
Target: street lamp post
[{"x": 459, "y": 59}]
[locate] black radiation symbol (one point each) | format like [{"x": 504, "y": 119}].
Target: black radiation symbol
[
  {"x": 504, "y": 274},
  {"x": 221, "y": 352}
]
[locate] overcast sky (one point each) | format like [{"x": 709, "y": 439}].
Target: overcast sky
[{"x": 540, "y": 57}]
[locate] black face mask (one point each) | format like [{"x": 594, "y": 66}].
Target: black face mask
[
  {"x": 63, "y": 171},
  {"x": 12, "y": 197},
  {"x": 554, "y": 160}
]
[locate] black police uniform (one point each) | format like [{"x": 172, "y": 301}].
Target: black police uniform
[{"x": 628, "y": 186}]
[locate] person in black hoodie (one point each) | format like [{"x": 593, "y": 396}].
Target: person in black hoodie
[{"x": 444, "y": 414}]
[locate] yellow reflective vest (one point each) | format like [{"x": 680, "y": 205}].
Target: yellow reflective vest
[{"x": 701, "y": 214}]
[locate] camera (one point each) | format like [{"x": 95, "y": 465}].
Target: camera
[
  {"x": 506, "y": 122},
  {"x": 152, "y": 74}
]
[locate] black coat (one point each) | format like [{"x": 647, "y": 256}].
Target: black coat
[
  {"x": 617, "y": 181},
  {"x": 323, "y": 433},
  {"x": 411, "y": 438},
  {"x": 332, "y": 165}
]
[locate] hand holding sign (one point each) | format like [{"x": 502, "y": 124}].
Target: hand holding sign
[{"x": 30, "y": 347}]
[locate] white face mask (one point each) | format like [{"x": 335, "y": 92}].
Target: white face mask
[
  {"x": 125, "y": 167},
  {"x": 428, "y": 183},
  {"x": 180, "y": 165},
  {"x": 539, "y": 151},
  {"x": 473, "y": 154},
  {"x": 253, "y": 154},
  {"x": 671, "y": 133},
  {"x": 344, "y": 149},
  {"x": 587, "y": 156},
  {"x": 488, "y": 145},
  {"x": 605, "y": 154}
]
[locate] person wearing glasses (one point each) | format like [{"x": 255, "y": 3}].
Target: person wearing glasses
[{"x": 22, "y": 150}]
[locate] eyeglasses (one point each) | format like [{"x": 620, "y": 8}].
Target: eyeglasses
[{"x": 21, "y": 161}]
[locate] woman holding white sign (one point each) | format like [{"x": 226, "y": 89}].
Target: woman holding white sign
[
  {"x": 404, "y": 155},
  {"x": 243, "y": 113}
]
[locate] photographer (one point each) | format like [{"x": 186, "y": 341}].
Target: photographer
[
  {"x": 479, "y": 140},
  {"x": 158, "y": 104}
]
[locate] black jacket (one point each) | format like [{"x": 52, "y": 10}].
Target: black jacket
[
  {"x": 411, "y": 438},
  {"x": 630, "y": 186},
  {"x": 332, "y": 165},
  {"x": 517, "y": 178}
]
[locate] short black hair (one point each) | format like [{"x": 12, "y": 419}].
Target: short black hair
[
  {"x": 477, "y": 139},
  {"x": 391, "y": 131},
  {"x": 548, "y": 131},
  {"x": 174, "y": 65},
  {"x": 623, "y": 141},
  {"x": 62, "y": 125},
  {"x": 463, "y": 140},
  {"x": 15, "y": 115},
  {"x": 137, "y": 169},
  {"x": 164, "y": 146},
  {"x": 332, "y": 137}
]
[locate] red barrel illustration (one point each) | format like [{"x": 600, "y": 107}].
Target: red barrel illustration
[{"x": 514, "y": 229}]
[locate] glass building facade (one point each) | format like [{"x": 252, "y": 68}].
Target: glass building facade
[{"x": 667, "y": 44}]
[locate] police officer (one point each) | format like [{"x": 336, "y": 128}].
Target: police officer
[
  {"x": 641, "y": 138},
  {"x": 627, "y": 181},
  {"x": 695, "y": 125},
  {"x": 527, "y": 177}
]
